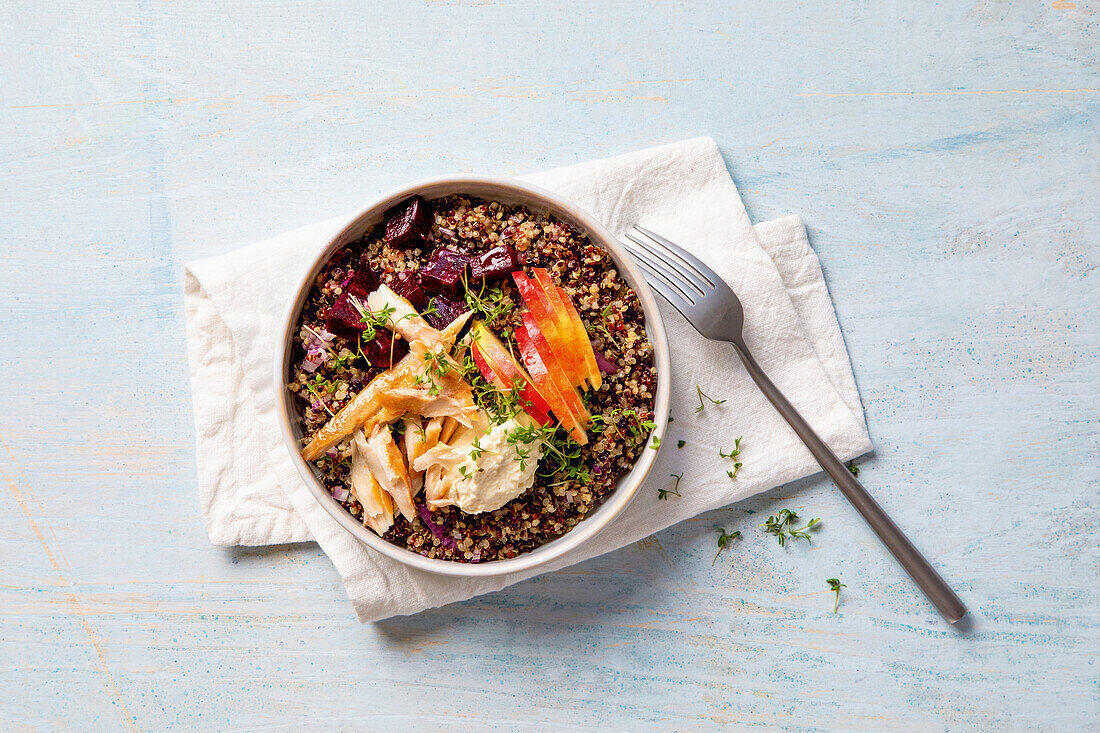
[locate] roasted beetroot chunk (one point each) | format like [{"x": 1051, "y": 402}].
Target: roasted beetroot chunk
[
  {"x": 409, "y": 223},
  {"x": 446, "y": 310},
  {"x": 496, "y": 264},
  {"x": 363, "y": 281},
  {"x": 384, "y": 350},
  {"x": 444, "y": 272},
  {"x": 407, "y": 285},
  {"x": 344, "y": 319}
]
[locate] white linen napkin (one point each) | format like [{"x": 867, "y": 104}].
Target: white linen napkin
[{"x": 252, "y": 495}]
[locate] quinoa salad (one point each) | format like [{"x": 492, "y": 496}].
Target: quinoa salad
[{"x": 471, "y": 378}]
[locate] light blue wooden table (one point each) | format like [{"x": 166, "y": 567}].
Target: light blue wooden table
[{"x": 944, "y": 156}]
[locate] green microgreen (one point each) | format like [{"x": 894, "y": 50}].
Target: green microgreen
[
  {"x": 373, "y": 320},
  {"x": 320, "y": 383},
  {"x": 783, "y": 524},
  {"x": 563, "y": 457},
  {"x": 344, "y": 357},
  {"x": 734, "y": 452},
  {"x": 501, "y": 404},
  {"x": 437, "y": 365},
  {"x": 853, "y": 468},
  {"x": 616, "y": 419},
  {"x": 724, "y": 538},
  {"x": 431, "y": 310},
  {"x": 601, "y": 325},
  {"x": 522, "y": 454},
  {"x": 703, "y": 396},
  {"x": 489, "y": 302},
  {"x": 674, "y": 491},
  {"x": 476, "y": 450},
  {"x": 315, "y": 393},
  {"x": 834, "y": 586}
]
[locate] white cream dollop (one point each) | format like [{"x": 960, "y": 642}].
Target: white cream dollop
[{"x": 495, "y": 472}]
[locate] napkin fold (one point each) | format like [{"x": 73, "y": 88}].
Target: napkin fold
[{"x": 251, "y": 493}]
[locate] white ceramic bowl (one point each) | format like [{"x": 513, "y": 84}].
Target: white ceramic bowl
[{"x": 507, "y": 191}]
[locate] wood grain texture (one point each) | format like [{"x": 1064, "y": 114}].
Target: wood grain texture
[{"x": 944, "y": 156}]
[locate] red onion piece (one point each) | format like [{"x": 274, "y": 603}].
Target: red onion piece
[
  {"x": 340, "y": 493},
  {"x": 314, "y": 360},
  {"x": 318, "y": 346},
  {"x": 318, "y": 340},
  {"x": 605, "y": 366},
  {"x": 426, "y": 517}
]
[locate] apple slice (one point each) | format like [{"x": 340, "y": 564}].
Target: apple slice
[
  {"x": 531, "y": 401},
  {"x": 595, "y": 375},
  {"x": 499, "y": 367},
  {"x": 556, "y": 369},
  {"x": 551, "y": 380},
  {"x": 574, "y": 328},
  {"x": 551, "y": 324}
]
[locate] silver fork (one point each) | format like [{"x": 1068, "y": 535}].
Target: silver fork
[{"x": 709, "y": 304}]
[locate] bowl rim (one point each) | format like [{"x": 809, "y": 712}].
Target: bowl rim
[{"x": 509, "y": 190}]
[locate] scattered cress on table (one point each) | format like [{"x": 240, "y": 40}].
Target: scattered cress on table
[
  {"x": 834, "y": 586},
  {"x": 724, "y": 539},
  {"x": 674, "y": 491},
  {"x": 782, "y": 525}
]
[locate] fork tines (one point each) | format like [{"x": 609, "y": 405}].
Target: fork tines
[{"x": 672, "y": 267}]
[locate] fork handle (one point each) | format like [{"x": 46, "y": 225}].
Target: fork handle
[{"x": 919, "y": 569}]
